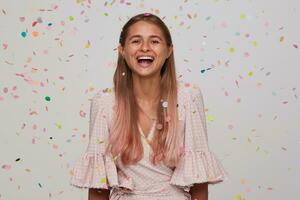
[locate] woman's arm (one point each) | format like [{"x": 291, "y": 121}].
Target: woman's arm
[
  {"x": 98, "y": 194},
  {"x": 199, "y": 191}
]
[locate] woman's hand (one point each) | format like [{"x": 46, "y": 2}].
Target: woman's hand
[
  {"x": 98, "y": 194},
  {"x": 199, "y": 191}
]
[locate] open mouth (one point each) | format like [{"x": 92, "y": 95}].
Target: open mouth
[{"x": 145, "y": 60}]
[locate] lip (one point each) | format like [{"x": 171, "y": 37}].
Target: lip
[
  {"x": 145, "y": 56},
  {"x": 145, "y": 67}
]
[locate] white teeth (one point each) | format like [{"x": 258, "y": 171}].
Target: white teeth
[{"x": 145, "y": 57}]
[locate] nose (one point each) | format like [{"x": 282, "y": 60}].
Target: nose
[{"x": 145, "y": 46}]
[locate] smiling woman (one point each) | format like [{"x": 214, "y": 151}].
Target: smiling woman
[
  {"x": 145, "y": 49},
  {"x": 148, "y": 139}
]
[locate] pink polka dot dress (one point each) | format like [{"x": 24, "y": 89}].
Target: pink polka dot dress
[{"x": 145, "y": 180}]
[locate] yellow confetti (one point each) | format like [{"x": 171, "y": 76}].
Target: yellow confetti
[
  {"x": 239, "y": 197},
  {"x": 58, "y": 125},
  {"x": 80, "y": 1},
  {"x": 231, "y": 50},
  {"x": 254, "y": 43},
  {"x": 103, "y": 180},
  {"x": 242, "y": 16},
  {"x": 71, "y": 18},
  {"x": 210, "y": 118},
  {"x": 250, "y": 73},
  {"x": 100, "y": 141},
  {"x": 106, "y": 14},
  {"x": 88, "y": 44},
  {"x": 257, "y": 148}
]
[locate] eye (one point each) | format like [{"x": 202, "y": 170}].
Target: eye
[
  {"x": 155, "y": 41},
  {"x": 135, "y": 41}
]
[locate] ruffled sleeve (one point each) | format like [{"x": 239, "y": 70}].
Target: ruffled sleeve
[
  {"x": 95, "y": 169},
  {"x": 198, "y": 164}
]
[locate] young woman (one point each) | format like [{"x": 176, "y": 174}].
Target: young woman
[{"x": 148, "y": 137}]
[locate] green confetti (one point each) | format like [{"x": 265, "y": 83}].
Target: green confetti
[
  {"x": 71, "y": 18},
  {"x": 47, "y": 98}
]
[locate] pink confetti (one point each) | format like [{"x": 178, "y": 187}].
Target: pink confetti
[
  {"x": 295, "y": 46},
  {"x": 82, "y": 114},
  {"x": 22, "y": 19},
  {"x": 5, "y": 90},
  {"x": 230, "y": 126},
  {"x": 1, "y": 98},
  {"x": 5, "y": 46},
  {"x": 33, "y": 141},
  {"x": 6, "y": 167}
]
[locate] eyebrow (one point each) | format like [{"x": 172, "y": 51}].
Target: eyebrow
[{"x": 139, "y": 36}]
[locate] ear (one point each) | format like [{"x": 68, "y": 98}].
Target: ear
[
  {"x": 170, "y": 50},
  {"x": 121, "y": 50}
]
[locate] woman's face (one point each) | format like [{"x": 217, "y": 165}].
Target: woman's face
[{"x": 145, "y": 49}]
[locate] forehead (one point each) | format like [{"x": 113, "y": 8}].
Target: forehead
[{"x": 144, "y": 29}]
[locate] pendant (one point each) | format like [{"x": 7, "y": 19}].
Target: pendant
[{"x": 159, "y": 126}]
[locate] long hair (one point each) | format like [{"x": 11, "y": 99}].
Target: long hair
[{"x": 125, "y": 139}]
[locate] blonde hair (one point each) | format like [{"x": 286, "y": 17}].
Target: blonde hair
[{"x": 125, "y": 138}]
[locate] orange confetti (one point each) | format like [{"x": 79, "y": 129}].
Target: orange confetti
[{"x": 35, "y": 33}]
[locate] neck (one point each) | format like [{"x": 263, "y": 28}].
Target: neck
[{"x": 146, "y": 90}]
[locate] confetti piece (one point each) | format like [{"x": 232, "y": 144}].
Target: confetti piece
[
  {"x": 88, "y": 44},
  {"x": 71, "y": 18},
  {"x": 254, "y": 43},
  {"x": 106, "y": 14},
  {"x": 250, "y": 73},
  {"x": 39, "y": 20},
  {"x": 22, "y": 19},
  {"x": 4, "y": 45},
  {"x": 239, "y": 197},
  {"x": 242, "y": 16},
  {"x": 40, "y": 185},
  {"x": 47, "y": 98},
  {"x": 230, "y": 126},
  {"x": 18, "y": 159},
  {"x": 6, "y": 167},
  {"x": 24, "y": 34},
  {"x": 35, "y": 33},
  {"x": 295, "y": 46},
  {"x": 103, "y": 180},
  {"x": 1, "y": 98},
  {"x": 210, "y": 118},
  {"x": 58, "y": 125},
  {"x": 34, "y": 23},
  {"x": 231, "y": 50},
  {"x": 82, "y": 113},
  {"x": 281, "y": 39}
]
